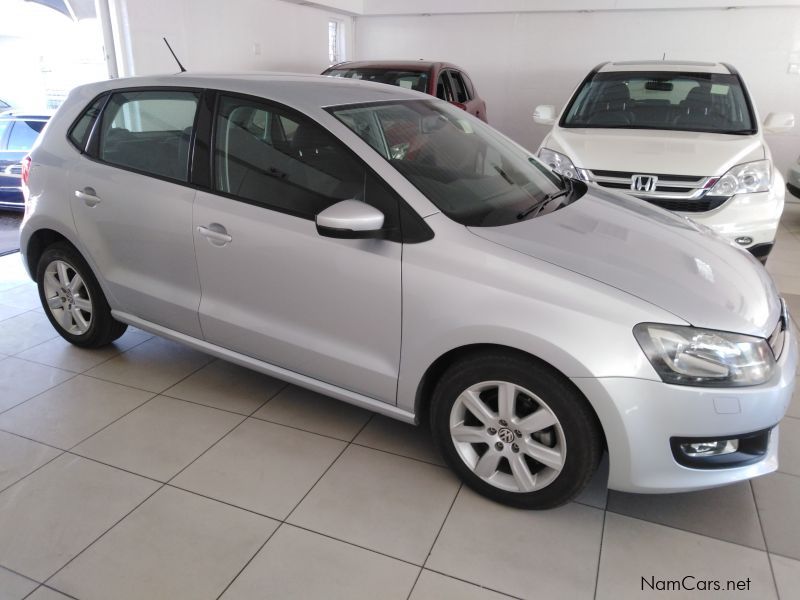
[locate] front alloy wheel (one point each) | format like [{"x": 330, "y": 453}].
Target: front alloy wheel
[
  {"x": 508, "y": 436},
  {"x": 515, "y": 430}
]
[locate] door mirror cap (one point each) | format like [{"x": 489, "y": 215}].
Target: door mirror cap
[
  {"x": 779, "y": 122},
  {"x": 350, "y": 219},
  {"x": 545, "y": 114}
]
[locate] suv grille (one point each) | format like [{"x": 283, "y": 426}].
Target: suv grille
[{"x": 683, "y": 193}]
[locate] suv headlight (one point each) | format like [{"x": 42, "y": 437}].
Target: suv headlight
[
  {"x": 745, "y": 178},
  {"x": 560, "y": 163},
  {"x": 704, "y": 357}
]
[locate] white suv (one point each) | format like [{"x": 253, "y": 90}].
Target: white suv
[{"x": 682, "y": 135}]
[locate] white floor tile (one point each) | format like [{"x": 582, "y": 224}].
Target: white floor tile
[{"x": 175, "y": 545}]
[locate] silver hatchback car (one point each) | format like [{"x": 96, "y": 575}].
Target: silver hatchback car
[{"x": 387, "y": 249}]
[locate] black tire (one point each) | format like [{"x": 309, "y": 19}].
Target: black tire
[
  {"x": 103, "y": 328},
  {"x": 579, "y": 429}
]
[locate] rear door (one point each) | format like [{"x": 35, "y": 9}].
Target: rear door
[{"x": 132, "y": 205}]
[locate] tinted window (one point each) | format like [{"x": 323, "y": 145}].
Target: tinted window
[
  {"x": 443, "y": 90},
  {"x": 470, "y": 87},
  {"x": 713, "y": 102},
  {"x": 472, "y": 173},
  {"x": 149, "y": 131},
  {"x": 24, "y": 134},
  {"x": 80, "y": 131},
  {"x": 279, "y": 159},
  {"x": 459, "y": 87},
  {"x": 412, "y": 80}
]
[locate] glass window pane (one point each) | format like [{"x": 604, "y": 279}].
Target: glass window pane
[
  {"x": 713, "y": 102},
  {"x": 149, "y": 131},
  {"x": 291, "y": 164},
  {"x": 24, "y": 134},
  {"x": 473, "y": 174},
  {"x": 80, "y": 131}
]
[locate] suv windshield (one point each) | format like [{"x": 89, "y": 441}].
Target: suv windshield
[
  {"x": 411, "y": 80},
  {"x": 711, "y": 102},
  {"x": 472, "y": 173}
]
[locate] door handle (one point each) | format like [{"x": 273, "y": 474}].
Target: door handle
[
  {"x": 215, "y": 233},
  {"x": 88, "y": 195}
]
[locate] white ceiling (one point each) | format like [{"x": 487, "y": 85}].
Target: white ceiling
[{"x": 432, "y": 7}]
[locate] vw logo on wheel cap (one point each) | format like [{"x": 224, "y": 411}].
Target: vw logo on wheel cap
[{"x": 506, "y": 435}]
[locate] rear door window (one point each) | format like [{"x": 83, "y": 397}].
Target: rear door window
[
  {"x": 443, "y": 89},
  {"x": 460, "y": 89},
  {"x": 149, "y": 131}
]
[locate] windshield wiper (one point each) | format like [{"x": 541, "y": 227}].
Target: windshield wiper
[{"x": 538, "y": 206}]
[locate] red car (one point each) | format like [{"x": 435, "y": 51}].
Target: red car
[{"x": 440, "y": 79}]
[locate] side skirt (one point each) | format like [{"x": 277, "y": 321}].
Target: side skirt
[{"x": 243, "y": 360}]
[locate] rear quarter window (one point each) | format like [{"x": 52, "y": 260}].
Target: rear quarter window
[{"x": 82, "y": 127}]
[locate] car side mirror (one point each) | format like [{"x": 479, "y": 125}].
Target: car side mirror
[
  {"x": 350, "y": 219},
  {"x": 779, "y": 122},
  {"x": 545, "y": 114}
]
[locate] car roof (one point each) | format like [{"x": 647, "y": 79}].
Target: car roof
[
  {"x": 666, "y": 65},
  {"x": 406, "y": 65},
  {"x": 16, "y": 113},
  {"x": 307, "y": 92}
]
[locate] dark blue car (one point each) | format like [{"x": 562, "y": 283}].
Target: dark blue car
[{"x": 18, "y": 132}]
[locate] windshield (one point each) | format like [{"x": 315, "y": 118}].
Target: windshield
[
  {"x": 711, "y": 102},
  {"x": 473, "y": 174},
  {"x": 411, "y": 80}
]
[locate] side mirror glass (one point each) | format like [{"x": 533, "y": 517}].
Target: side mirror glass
[
  {"x": 350, "y": 219},
  {"x": 545, "y": 114},
  {"x": 779, "y": 122}
]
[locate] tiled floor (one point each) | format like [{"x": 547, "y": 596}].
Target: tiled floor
[{"x": 148, "y": 470}]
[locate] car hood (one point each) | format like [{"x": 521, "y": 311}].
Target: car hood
[
  {"x": 662, "y": 258},
  {"x": 651, "y": 151}
]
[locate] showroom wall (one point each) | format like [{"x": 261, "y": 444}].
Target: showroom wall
[
  {"x": 209, "y": 35},
  {"x": 521, "y": 59}
]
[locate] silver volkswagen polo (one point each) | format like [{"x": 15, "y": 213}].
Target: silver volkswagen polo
[{"x": 389, "y": 250}]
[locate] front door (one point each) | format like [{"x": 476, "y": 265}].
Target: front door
[
  {"x": 272, "y": 287},
  {"x": 133, "y": 207}
]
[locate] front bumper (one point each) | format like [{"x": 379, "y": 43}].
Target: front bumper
[
  {"x": 755, "y": 216},
  {"x": 640, "y": 418}
]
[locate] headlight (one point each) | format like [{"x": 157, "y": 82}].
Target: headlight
[
  {"x": 560, "y": 163},
  {"x": 691, "y": 356},
  {"x": 745, "y": 178}
]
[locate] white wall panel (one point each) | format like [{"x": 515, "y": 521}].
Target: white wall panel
[
  {"x": 209, "y": 35},
  {"x": 519, "y": 60}
]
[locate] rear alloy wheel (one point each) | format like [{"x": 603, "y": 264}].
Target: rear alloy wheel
[
  {"x": 67, "y": 297},
  {"x": 515, "y": 430},
  {"x": 73, "y": 300}
]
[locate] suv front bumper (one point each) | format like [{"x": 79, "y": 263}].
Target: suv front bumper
[
  {"x": 643, "y": 418},
  {"x": 755, "y": 216}
]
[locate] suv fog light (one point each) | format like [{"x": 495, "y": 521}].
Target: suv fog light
[
  {"x": 744, "y": 240},
  {"x": 710, "y": 448}
]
